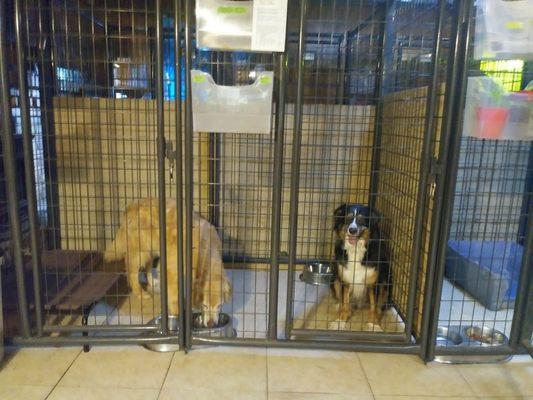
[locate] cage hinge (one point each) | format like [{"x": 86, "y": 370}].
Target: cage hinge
[
  {"x": 435, "y": 168},
  {"x": 172, "y": 156},
  {"x": 170, "y": 153}
]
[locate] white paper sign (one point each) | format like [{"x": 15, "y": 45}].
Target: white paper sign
[
  {"x": 258, "y": 25},
  {"x": 269, "y": 25}
]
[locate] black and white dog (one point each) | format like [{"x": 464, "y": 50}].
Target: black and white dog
[{"x": 361, "y": 263}]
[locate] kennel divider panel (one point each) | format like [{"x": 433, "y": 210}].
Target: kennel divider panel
[
  {"x": 8, "y": 156},
  {"x": 342, "y": 44},
  {"x": 482, "y": 200},
  {"x": 29, "y": 168},
  {"x": 107, "y": 140},
  {"x": 408, "y": 136}
]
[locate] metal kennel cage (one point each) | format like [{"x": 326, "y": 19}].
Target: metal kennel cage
[{"x": 99, "y": 95}]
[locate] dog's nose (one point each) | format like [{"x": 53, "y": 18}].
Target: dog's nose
[{"x": 352, "y": 230}]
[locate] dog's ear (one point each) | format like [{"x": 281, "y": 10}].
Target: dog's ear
[{"x": 339, "y": 216}]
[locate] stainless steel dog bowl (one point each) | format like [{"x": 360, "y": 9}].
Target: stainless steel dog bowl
[
  {"x": 224, "y": 327},
  {"x": 464, "y": 337},
  {"x": 485, "y": 336},
  {"x": 174, "y": 330},
  {"x": 448, "y": 337},
  {"x": 317, "y": 274}
]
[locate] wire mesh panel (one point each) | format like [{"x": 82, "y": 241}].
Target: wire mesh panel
[
  {"x": 92, "y": 88},
  {"x": 409, "y": 86},
  {"x": 367, "y": 157},
  {"x": 233, "y": 188},
  {"x": 487, "y": 256},
  {"x": 342, "y": 49},
  {"x": 353, "y": 154}
]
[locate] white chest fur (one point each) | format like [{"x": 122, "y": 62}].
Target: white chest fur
[{"x": 355, "y": 274}]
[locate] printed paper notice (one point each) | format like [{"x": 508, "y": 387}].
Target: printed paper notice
[{"x": 269, "y": 25}]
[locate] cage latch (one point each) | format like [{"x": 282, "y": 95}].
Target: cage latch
[
  {"x": 170, "y": 153},
  {"x": 435, "y": 169}
]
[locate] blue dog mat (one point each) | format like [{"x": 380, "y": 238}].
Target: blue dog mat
[{"x": 487, "y": 270}]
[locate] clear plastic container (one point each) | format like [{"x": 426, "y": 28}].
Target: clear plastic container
[
  {"x": 232, "y": 109},
  {"x": 493, "y": 113},
  {"x": 504, "y": 29}
]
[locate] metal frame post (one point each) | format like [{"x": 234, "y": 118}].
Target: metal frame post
[
  {"x": 295, "y": 169},
  {"x": 426, "y": 157},
  {"x": 179, "y": 170},
  {"x": 378, "y": 93},
  {"x": 277, "y": 182},
  {"x": 29, "y": 169},
  {"x": 188, "y": 176},
  {"x": 519, "y": 316},
  {"x": 161, "y": 169},
  {"x": 10, "y": 178},
  {"x": 449, "y": 154}
]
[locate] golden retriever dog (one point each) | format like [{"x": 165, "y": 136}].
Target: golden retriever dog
[{"x": 137, "y": 242}]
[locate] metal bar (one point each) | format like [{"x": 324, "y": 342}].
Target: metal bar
[
  {"x": 474, "y": 350},
  {"x": 10, "y": 178},
  {"x": 295, "y": 168},
  {"x": 101, "y": 328},
  {"x": 277, "y": 182},
  {"x": 400, "y": 348},
  {"x": 376, "y": 145},
  {"x": 161, "y": 169},
  {"x": 240, "y": 259},
  {"x": 46, "y": 65},
  {"x": 526, "y": 326},
  {"x": 320, "y": 334},
  {"x": 519, "y": 316},
  {"x": 29, "y": 173},
  {"x": 179, "y": 170},
  {"x": 424, "y": 171},
  {"x": 446, "y": 130},
  {"x": 85, "y": 340},
  {"x": 188, "y": 175},
  {"x": 450, "y": 150},
  {"x": 528, "y": 198}
]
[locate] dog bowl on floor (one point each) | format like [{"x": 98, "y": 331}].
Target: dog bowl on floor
[
  {"x": 456, "y": 336},
  {"x": 485, "y": 336},
  {"x": 173, "y": 330},
  {"x": 318, "y": 273},
  {"x": 224, "y": 327},
  {"x": 448, "y": 337}
]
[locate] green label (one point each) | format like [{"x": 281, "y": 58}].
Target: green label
[
  {"x": 199, "y": 78},
  {"x": 514, "y": 25},
  {"x": 232, "y": 10},
  {"x": 265, "y": 80}
]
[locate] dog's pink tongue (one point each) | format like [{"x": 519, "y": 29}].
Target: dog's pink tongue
[{"x": 352, "y": 239}]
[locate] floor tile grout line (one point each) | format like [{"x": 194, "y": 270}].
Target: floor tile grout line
[
  {"x": 458, "y": 369},
  {"x": 64, "y": 373},
  {"x": 364, "y": 373},
  {"x": 166, "y": 374}
]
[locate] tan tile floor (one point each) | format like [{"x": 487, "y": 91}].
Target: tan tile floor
[{"x": 116, "y": 373}]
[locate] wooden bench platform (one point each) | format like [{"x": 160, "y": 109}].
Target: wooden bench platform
[{"x": 81, "y": 281}]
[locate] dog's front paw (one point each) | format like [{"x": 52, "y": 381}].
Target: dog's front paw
[
  {"x": 338, "y": 325},
  {"x": 145, "y": 295},
  {"x": 373, "y": 327}
]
